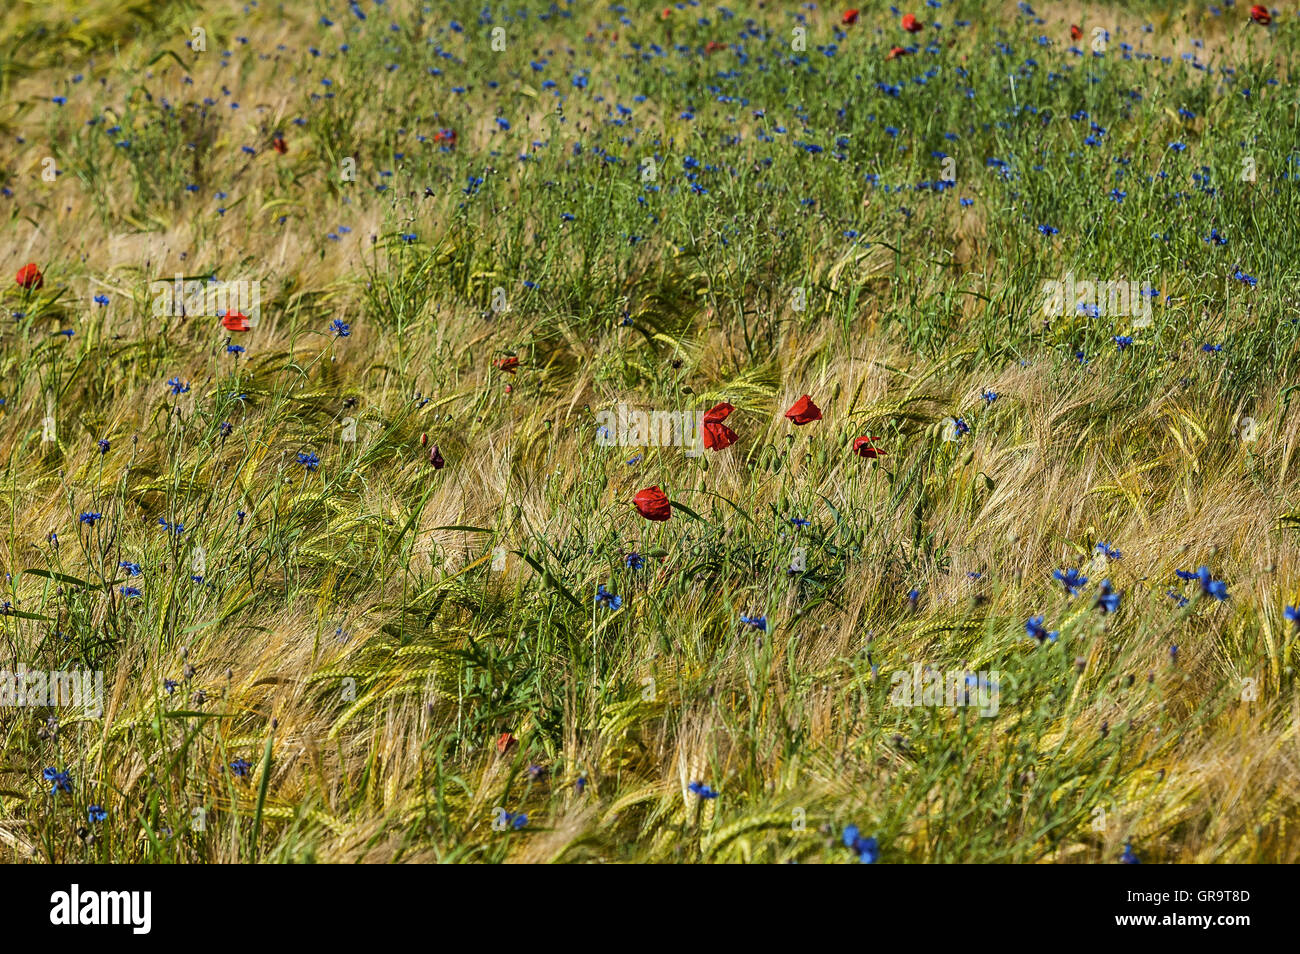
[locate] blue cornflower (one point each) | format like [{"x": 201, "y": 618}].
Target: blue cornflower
[
  {"x": 101, "y": 299},
  {"x": 1181, "y": 600},
  {"x": 913, "y": 597},
  {"x": 1292, "y": 613},
  {"x": 177, "y": 386},
  {"x": 515, "y": 821},
  {"x": 1209, "y": 586},
  {"x": 128, "y": 591},
  {"x": 1071, "y": 580},
  {"x": 340, "y": 328},
  {"x": 1242, "y": 277},
  {"x": 1035, "y": 628},
  {"x": 95, "y": 814},
  {"x": 1123, "y": 341},
  {"x": 702, "y": 790},
  {"x": 103, "y": 446},
  {"x": 1107, "y": 598},
  {"x": 800, "y": 521},
  {"x": 1211, "y": 348},
  {"x": 90, "y": 518},
  {"x": 1108, "y": 551},
  {"x": 607, "y": 599},
  {"x": 1048, "y": 230},
  {"x": 240, "y": 767},
  {"x": 309, "y": 461},
  {"x": 1128, "y": 858},
  {"x": 176, "y": 528},
  {"x": 132, "y": 569},
  {"x": 758, "y": 622},
  {"x": 169, "y": 686},
  {"x": 634, "y": 561},
  {"x": 989, "y": 396},
  {"x": 961, "y": 427},
  {"x": 867, "y": 849},
  {"x": 234, "y": 349},
  {"x": 59, "y": 781}
]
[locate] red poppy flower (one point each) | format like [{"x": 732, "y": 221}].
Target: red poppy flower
[
  {"x": 445, "y": 135},
  {"x": 652, "y": 503},
  {"x": 911, "y": 24},
  {"x": 1076, "y": 33},
  {"x": 866, "y": 447},
  {"x": 713, "y": 46},
  {"x": 1260, "y": 14},
  {"x": 850, "y": 17},
  {"x": 435, "y": 458},
  {"x": 804, "y": 410},
  {"x": 30, "y": 277},
  {"x": 718, "y": 436},
  {"x": 718, "y": 413},
  {"x": 504, "y": 741},
  {"x": 508, "y": 364},
  {"x": 279, "y": 145},
  {"x": 234, "y": 321},
  {"x": 895, "y": 52}
]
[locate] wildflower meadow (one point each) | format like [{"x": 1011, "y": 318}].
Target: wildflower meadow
[{"x": 649, "y": 432}]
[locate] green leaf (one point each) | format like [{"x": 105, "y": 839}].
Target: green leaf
[{"x": 550, "y": 579}]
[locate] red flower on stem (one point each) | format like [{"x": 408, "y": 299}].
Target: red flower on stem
[
  {"x": 30, "y": 277},
  {"x": 235, "y": 321},
  {"x": 1259, "y": 13},
  {"x": 911, "y": 24},
  {"x": 652, "y": 503},
  {"x": 803, "y": 411},
  {"x": 866, "y": 447},
  {"x": 718, "y": 436}
]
